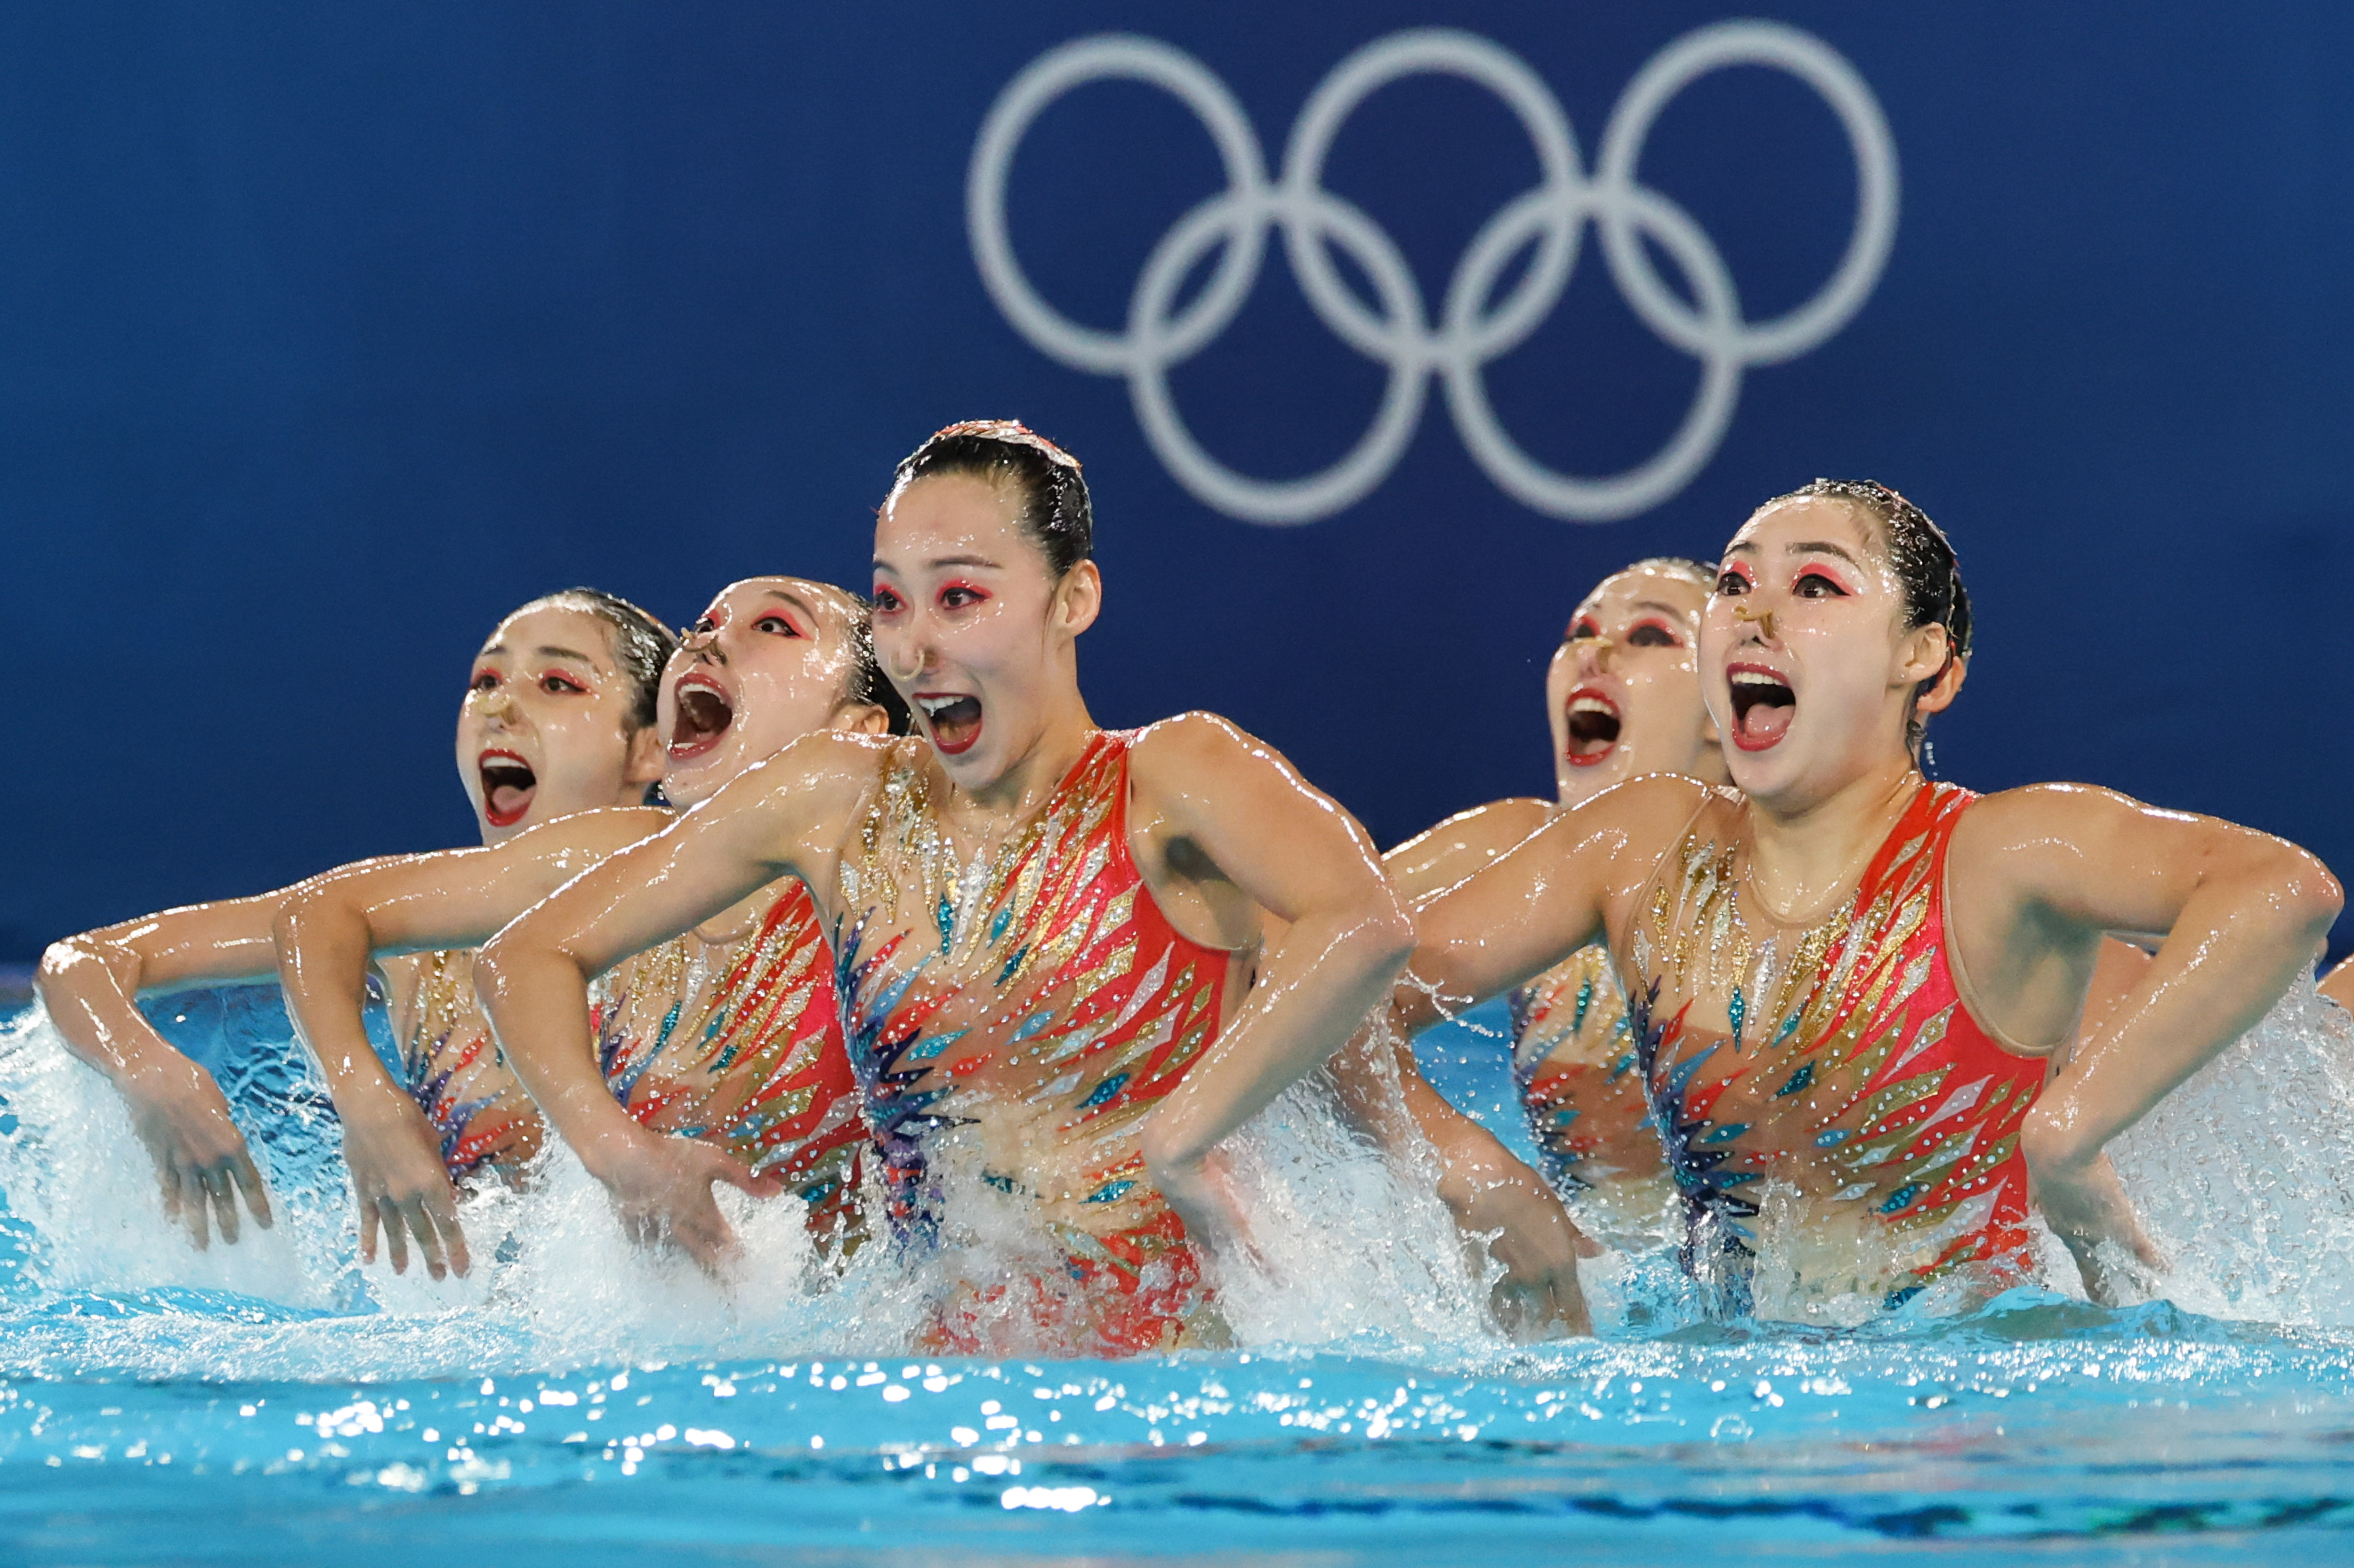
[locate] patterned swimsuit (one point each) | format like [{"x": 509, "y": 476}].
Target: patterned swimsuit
[
  {"x": 739, "y": 1044},
  {"x": 1574, "y": 1060},
  {"x": 455, "y": 1071},
  {"x": 1847, "y": 1068},
  {"x": 1012, "y": 1023}
]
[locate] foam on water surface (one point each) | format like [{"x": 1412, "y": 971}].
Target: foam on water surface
[{"x": 271, "y": 1401}]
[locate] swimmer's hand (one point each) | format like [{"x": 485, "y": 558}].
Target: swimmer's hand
[
  {"x": 2085, "y": 1205},
  {"x": 201, "y": 1160},
  {"x": 661, "y": 1189},
  {"x": 401, "y": 1185},
  {"x": 1500, "y": 1203},
  {"x": 1201, "y": 1193}
]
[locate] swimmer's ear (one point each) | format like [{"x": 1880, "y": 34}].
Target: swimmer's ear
[
  {"x": 1920, "y": 654},
  {"x": 1079, "y": 598},
  {"x": 1940, "y": 697},
  {"x": 861, "y": 719},
  {"x": 646, "y": 758}
]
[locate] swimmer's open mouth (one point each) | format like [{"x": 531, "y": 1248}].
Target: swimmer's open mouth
[
  {"x": 953, "y": 718},
  {"x": 1593, "y": 724},
  {"x": 703, "y": 714},
  {"x": 1763, "y": 706},
  {"x": 509, "y": 787}
]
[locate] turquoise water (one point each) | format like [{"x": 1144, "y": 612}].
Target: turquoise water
[{"x": 270, "y": 1404}]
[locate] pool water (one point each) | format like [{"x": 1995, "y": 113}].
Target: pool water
[{"x": 272, "y": 1403}]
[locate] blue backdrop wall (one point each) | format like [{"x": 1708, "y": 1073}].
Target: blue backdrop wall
[{"x": 328, "y": 334}]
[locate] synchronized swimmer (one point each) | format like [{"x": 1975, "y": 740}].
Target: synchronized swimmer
[{"x": 911, "y": 934}]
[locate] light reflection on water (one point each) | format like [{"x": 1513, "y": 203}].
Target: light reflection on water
[{"x": 268, "y": 1403}]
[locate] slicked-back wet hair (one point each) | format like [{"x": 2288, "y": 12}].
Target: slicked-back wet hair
[
  {"x": 1053, "y": 506},
  {"x": 1926, "y": 570},
  {"x": 642, "y": 645},
  {"x": 1699, "y": 572}
]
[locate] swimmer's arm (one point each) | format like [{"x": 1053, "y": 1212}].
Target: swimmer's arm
[
  {"x": 328, "y": 930},
  {"x": 1506, "y": 923},
  {"x": 2242, "y": 914},
  {"x": 2339, "y": 985},
  {"x": 779, "y": 818},
  {"x": 90, "y": 985},
  {"x": 1307, "y": 862},
  {"x": 1535, "y": 904},
  {"x": 1441, "y": 857}
]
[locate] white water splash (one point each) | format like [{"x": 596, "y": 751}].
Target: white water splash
[
  {"x": 2243, "y": 1177},
  {"x": 1367, "y": 1256}
]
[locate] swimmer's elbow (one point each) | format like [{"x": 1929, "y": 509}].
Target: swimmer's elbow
[
  {"x": 306, "y": 913},
  {"x": 2295, "y": 884},
  {"x": 1396, "y": 937},
  {"x": 1384, "y": 934},
  {"x": 286, "y": 925},
  {"x": 64, "y": 963},
  {"x": 501, "y": 962},
  {"x": 85, "y": 966},
  {"x": 2323, "y": 895},
  {"x": 494, "y": 968}
]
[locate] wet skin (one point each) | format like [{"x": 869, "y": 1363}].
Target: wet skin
[
  {"x": 767, "y": 663},
  {"x": 1809, "y": 671},
  {"x": 1625, "y": 664},
  {"x": 2338, "y": 984},
  {"x": 546, "y": 704},
  {"x": 971, "y": 625}
]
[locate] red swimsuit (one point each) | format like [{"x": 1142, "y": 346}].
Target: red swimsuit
[
  {"x": 1852, "y": 1068},
  {"x": 454, "y": 1070},
  {"x": 1014, "y": 1022},
  {"x": 748, "y": 1057}
]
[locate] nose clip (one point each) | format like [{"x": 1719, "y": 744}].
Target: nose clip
[
  {"x": 1601, "y": 648},
  {"x": 1763, "y": 620},
  {"x": 699, "y": 641}
]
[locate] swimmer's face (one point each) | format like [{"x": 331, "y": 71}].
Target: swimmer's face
[
  {"x": 544, "y": 731},
  {"x": 1807, "y": 662},
  {"x": 971, "y": 625},
  {"x": 1623, "y": 691},
  {"x": 768, "y": 664}
]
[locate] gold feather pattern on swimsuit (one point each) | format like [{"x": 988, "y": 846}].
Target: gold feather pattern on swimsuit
[
  {"x": 1851, "y": 1069},
  {"x": 1015, "y": 1018},
  {"x": 1580, "y": 1086},
  {"x": 452, "y": 1067},
  {"x": 740, "y": 1044}
]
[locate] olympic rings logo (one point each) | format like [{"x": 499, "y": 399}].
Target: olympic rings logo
[{"x": 1473, "y": 327}]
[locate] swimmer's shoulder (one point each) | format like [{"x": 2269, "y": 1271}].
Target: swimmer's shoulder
[
  {"x": 2033, "y": 816},
  {"x": 1195, "y": 736},
  {"x": 1190, "y": 748}
]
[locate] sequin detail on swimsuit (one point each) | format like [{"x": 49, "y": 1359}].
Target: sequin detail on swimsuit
[
  {"x": 1018, "y": 1018},
  {"x": 740, "y": 1045},
  {"x": 453, "y": 1069},
  {"x": 1850, "y": 1068},
  {"x": 1573, "y": 1062}
]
